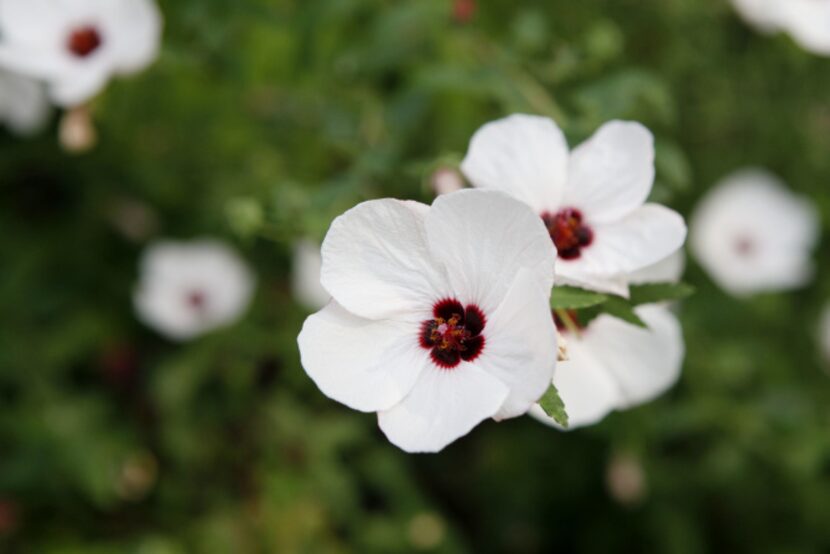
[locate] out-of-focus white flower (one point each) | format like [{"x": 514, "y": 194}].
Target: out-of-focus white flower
[
  {"x": 753, "y": 235},
  {"x": 591, "y": 199},
  {"x": 807, "y": 21},
  {"x": 75, "y": 46},
  {"x": 614, "y": 365},
  {"x": 189, "y": 288},
  {"x": 824, "y": 333},
  {"x": 305, "y": 275},
  {"x": 445, "y": 180},
  {"x": 24, "y": 107},
  {"x": 439, "y": 318}
]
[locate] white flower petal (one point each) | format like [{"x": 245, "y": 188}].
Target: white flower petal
[
  {"x": 376, "y": 262},
  {"x": 667, "y": 270},
  {"x": 753, "y": 235},
  {"x": 569, "y": 274},
  {"x": 31, "y": 22},
  {"x": 443, "y": 406},
  {"x": 520, "y": 344},
  {"x": 642, "y": 238},
  {"x": 365, "y": 364},
  {"x": 79, "y": 87},
  {"x": 808, "y": 21},
  {"x": 483, "y": 239},
  {"x": 614, "y": 365},
  {"x": 139, "y": 25},
  {"x": 524, "y": 156},
  {"x": 37, "y": 65},
  {"x": 23, "y": 104},
  {"x": 585, "y": 388},
  {"x": 765, "y": 15},
  {"x": 611, "y": 174},
  {"x": 643, "y": 362},
  {"x": 305, "y": 275}
]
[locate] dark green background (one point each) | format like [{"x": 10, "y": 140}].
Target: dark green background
[{"x": 263, "y": 120}]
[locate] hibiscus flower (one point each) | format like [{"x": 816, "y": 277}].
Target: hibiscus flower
[
  {"x": 189, "y": 288},
  {"x": 592, "y": 200},
  {"x": 753, "y": 235},
  {"x": 75, "y": 46},
  {"x": 440, "y": 315}
]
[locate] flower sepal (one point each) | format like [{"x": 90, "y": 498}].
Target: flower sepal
[
  {"x": 553, "y": 406},
  {"x": 591, "y": 304}
]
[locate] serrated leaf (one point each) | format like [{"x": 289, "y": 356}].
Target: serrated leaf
[
  {"x": 572, "y": 298},
  {"x": 659, "y": 292},
  {"x": 622, "y": 309},
  {"x": 552, "y": 405}
]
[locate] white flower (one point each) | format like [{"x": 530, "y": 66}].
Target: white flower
[
  {"x": 807, "y": 21},
  {"x": 23, "y": 105},
  {"x": 635, "y": 364},
  {"x": 614, "y": 365},
  {"x": 75, "y": 46},
  {"x": 591, "y": 199},
  {"x": 753, "y": 235},
  {"x": 440, "y": 315},
  {"x": 189, "y": 288},
  {"x": 305, "y": 275}
]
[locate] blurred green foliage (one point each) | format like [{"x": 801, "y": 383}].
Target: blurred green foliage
[{"x": 264, "y": 119}]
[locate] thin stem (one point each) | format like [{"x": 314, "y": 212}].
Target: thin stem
[{"x": 566, "y": 318}]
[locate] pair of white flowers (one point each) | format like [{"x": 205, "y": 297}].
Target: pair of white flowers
[
  {"x": 70, "y": 47},
  {"x": 440, "y": 316}
]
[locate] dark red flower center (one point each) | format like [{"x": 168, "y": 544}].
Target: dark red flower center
[
  {"x": 454, "y": 333},
  {"x": 83, "y": 41},
  {"x": 568, "y": 232},
  {"x": 196, "y": 300},
  {"x": 745, "y": 246}
]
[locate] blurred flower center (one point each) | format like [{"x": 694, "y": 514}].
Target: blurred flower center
[
  {"x": 454, "y": 334},
  {"x": 744, "y": 246},
  {"x": 196, "y": 299},
  {"x": 568, "y": 232},
  {"x": 83, "y": 41}
]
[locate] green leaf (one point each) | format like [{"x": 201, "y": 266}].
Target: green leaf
[
  {"x": 620, "y": 308},
  {"x": 659, "y": 292},
  {"x": 552, "y": 404},
  {"x": 572, "y": 298}
]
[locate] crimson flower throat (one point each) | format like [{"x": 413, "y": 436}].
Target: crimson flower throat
[
  {"x": 454, "y": 333},
  {"x": 83, "y": 41},
  {"x": 568, "y": 232}
]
